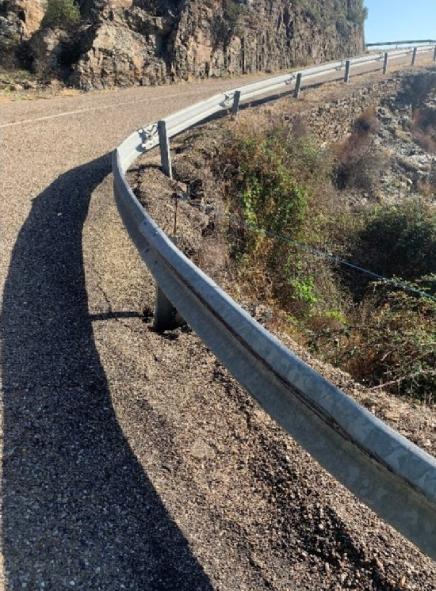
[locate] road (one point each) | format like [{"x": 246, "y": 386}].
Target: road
[{"x": 113, "y": 474}]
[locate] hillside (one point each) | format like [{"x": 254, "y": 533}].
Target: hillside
[
  {"x": 281, "y": 204},
  {"x": 104, "y": 43}
]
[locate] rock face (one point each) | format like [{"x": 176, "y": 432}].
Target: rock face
[
  {"x": 19, "y": 20},
  {"x": 155, "y": 41},
  {"x": 126, "y": 42}
]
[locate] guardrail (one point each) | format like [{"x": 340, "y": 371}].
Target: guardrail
[
  {"x": 412, "y": 42},
  {"x": 390, "y": 474}
]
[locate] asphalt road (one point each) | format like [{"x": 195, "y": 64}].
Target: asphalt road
[{"x": 90, "y": 499}]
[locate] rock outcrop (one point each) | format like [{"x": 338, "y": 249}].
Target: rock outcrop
[
  {"x": 19, "y": 20},
  {"x": 150, "y": 42},
  {"x": 126, "y": 42}
]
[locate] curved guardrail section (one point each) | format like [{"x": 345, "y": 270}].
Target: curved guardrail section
[{"x": 390, "y": 474}]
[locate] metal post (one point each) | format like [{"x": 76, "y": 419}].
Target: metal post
[
  {"x": 166, "y": 316},
  {"x": 165, "y": 154},
  {"x": 236, "y": 101},
  {"x": 347, "y": 71},
  {"x": 415, "y": 51},
  {"x": 385, "y": 62},
  {"x": 434, "y": 54},
  {"x": 297, "y": 90}
]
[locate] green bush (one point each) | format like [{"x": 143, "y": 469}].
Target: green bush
[
  {"x": 61, "y": 13},
  {"x": 278, "y": 182},
  {"x": 398, "y": 240},
  {"x": 275, "y": 178}
]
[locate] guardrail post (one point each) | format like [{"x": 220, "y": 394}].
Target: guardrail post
[
  {"x": 236, "y": 101},
  {"x": 385, "y": 62},
  {"x": 164, "y": 143},
  {"x": 415, "y": 51},
  {"x": 297, "y": 90},
  {"x": 434, "y": 54},
  {"x": 347, "y": 71},
  {"x": 166, "y": 316}
]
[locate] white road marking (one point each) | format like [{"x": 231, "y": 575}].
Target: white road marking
[{"x": 97, "y": 108}]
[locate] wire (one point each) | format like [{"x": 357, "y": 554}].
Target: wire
[{"x": 326, "y": 255}]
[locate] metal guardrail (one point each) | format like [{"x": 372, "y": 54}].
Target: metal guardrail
[
  {"x": 412, "y": 42},
  {"x": 387, "y": 472}
]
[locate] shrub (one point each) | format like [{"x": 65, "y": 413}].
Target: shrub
[
  {"x": 359, "y": 162},
  {"x": 274, "y": 177},
  {"x": 357, "y": 13},
  {"x": 277, "y": 182},
  {"x": 393, "y": 343},
  {"x": 340, "y": 13},
  {"x": 424, "y": 128},
  {"x": 398, "y": 240},
  {"x": 61, "y": 13}
]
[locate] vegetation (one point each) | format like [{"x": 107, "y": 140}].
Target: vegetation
[
  {"x": 407, "y": 232},
  {"x": 357, "y": 13},
  {"x": 226, "y": 25},
  {"x": 424, "y": 129},
  {"x": 337, "y": 12},
  {"x": 393, "y": 342},
  {"x": 61, "y": 13},
  {"x": 282, "y": 187},
  {"x": 359, "y": 162},
  {"x": 276, "y": 178}
]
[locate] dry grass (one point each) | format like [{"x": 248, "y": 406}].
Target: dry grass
[
  {"x": 359, "y": 162},
  {"x": 424, "y": 129}
]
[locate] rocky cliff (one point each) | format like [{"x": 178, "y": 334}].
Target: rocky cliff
[
  {"x": 125, "y": 42},
  {"x": 19, "y": 20}
]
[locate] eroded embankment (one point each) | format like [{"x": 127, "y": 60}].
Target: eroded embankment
[{"x": 257, "y": 510}]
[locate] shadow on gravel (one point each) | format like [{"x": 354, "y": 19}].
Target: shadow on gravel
[{"x": 78, "y": 510}]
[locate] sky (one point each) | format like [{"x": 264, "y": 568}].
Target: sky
[{"x": 398, "y": 20}]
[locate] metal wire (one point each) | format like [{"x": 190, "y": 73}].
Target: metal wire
[{"x": 326, "y": 255}]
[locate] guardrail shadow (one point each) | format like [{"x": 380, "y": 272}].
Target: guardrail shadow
[{"x": 78, "y": 510}]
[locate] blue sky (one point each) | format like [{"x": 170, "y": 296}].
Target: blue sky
[{"x": 397, "y": 20}]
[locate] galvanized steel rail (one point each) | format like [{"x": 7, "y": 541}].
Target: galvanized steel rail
[{"x": 387, "y": 472}]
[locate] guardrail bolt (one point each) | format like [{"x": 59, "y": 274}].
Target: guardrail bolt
[
  {"x": 385, "y": 62},
  {"x": 236, "y": 101},
  {"x": 415, "y": 51},
  {"x": 347, "y": 71},
  {"x": 164, "y": 143},
  {"x": 297, "y": 90}
]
